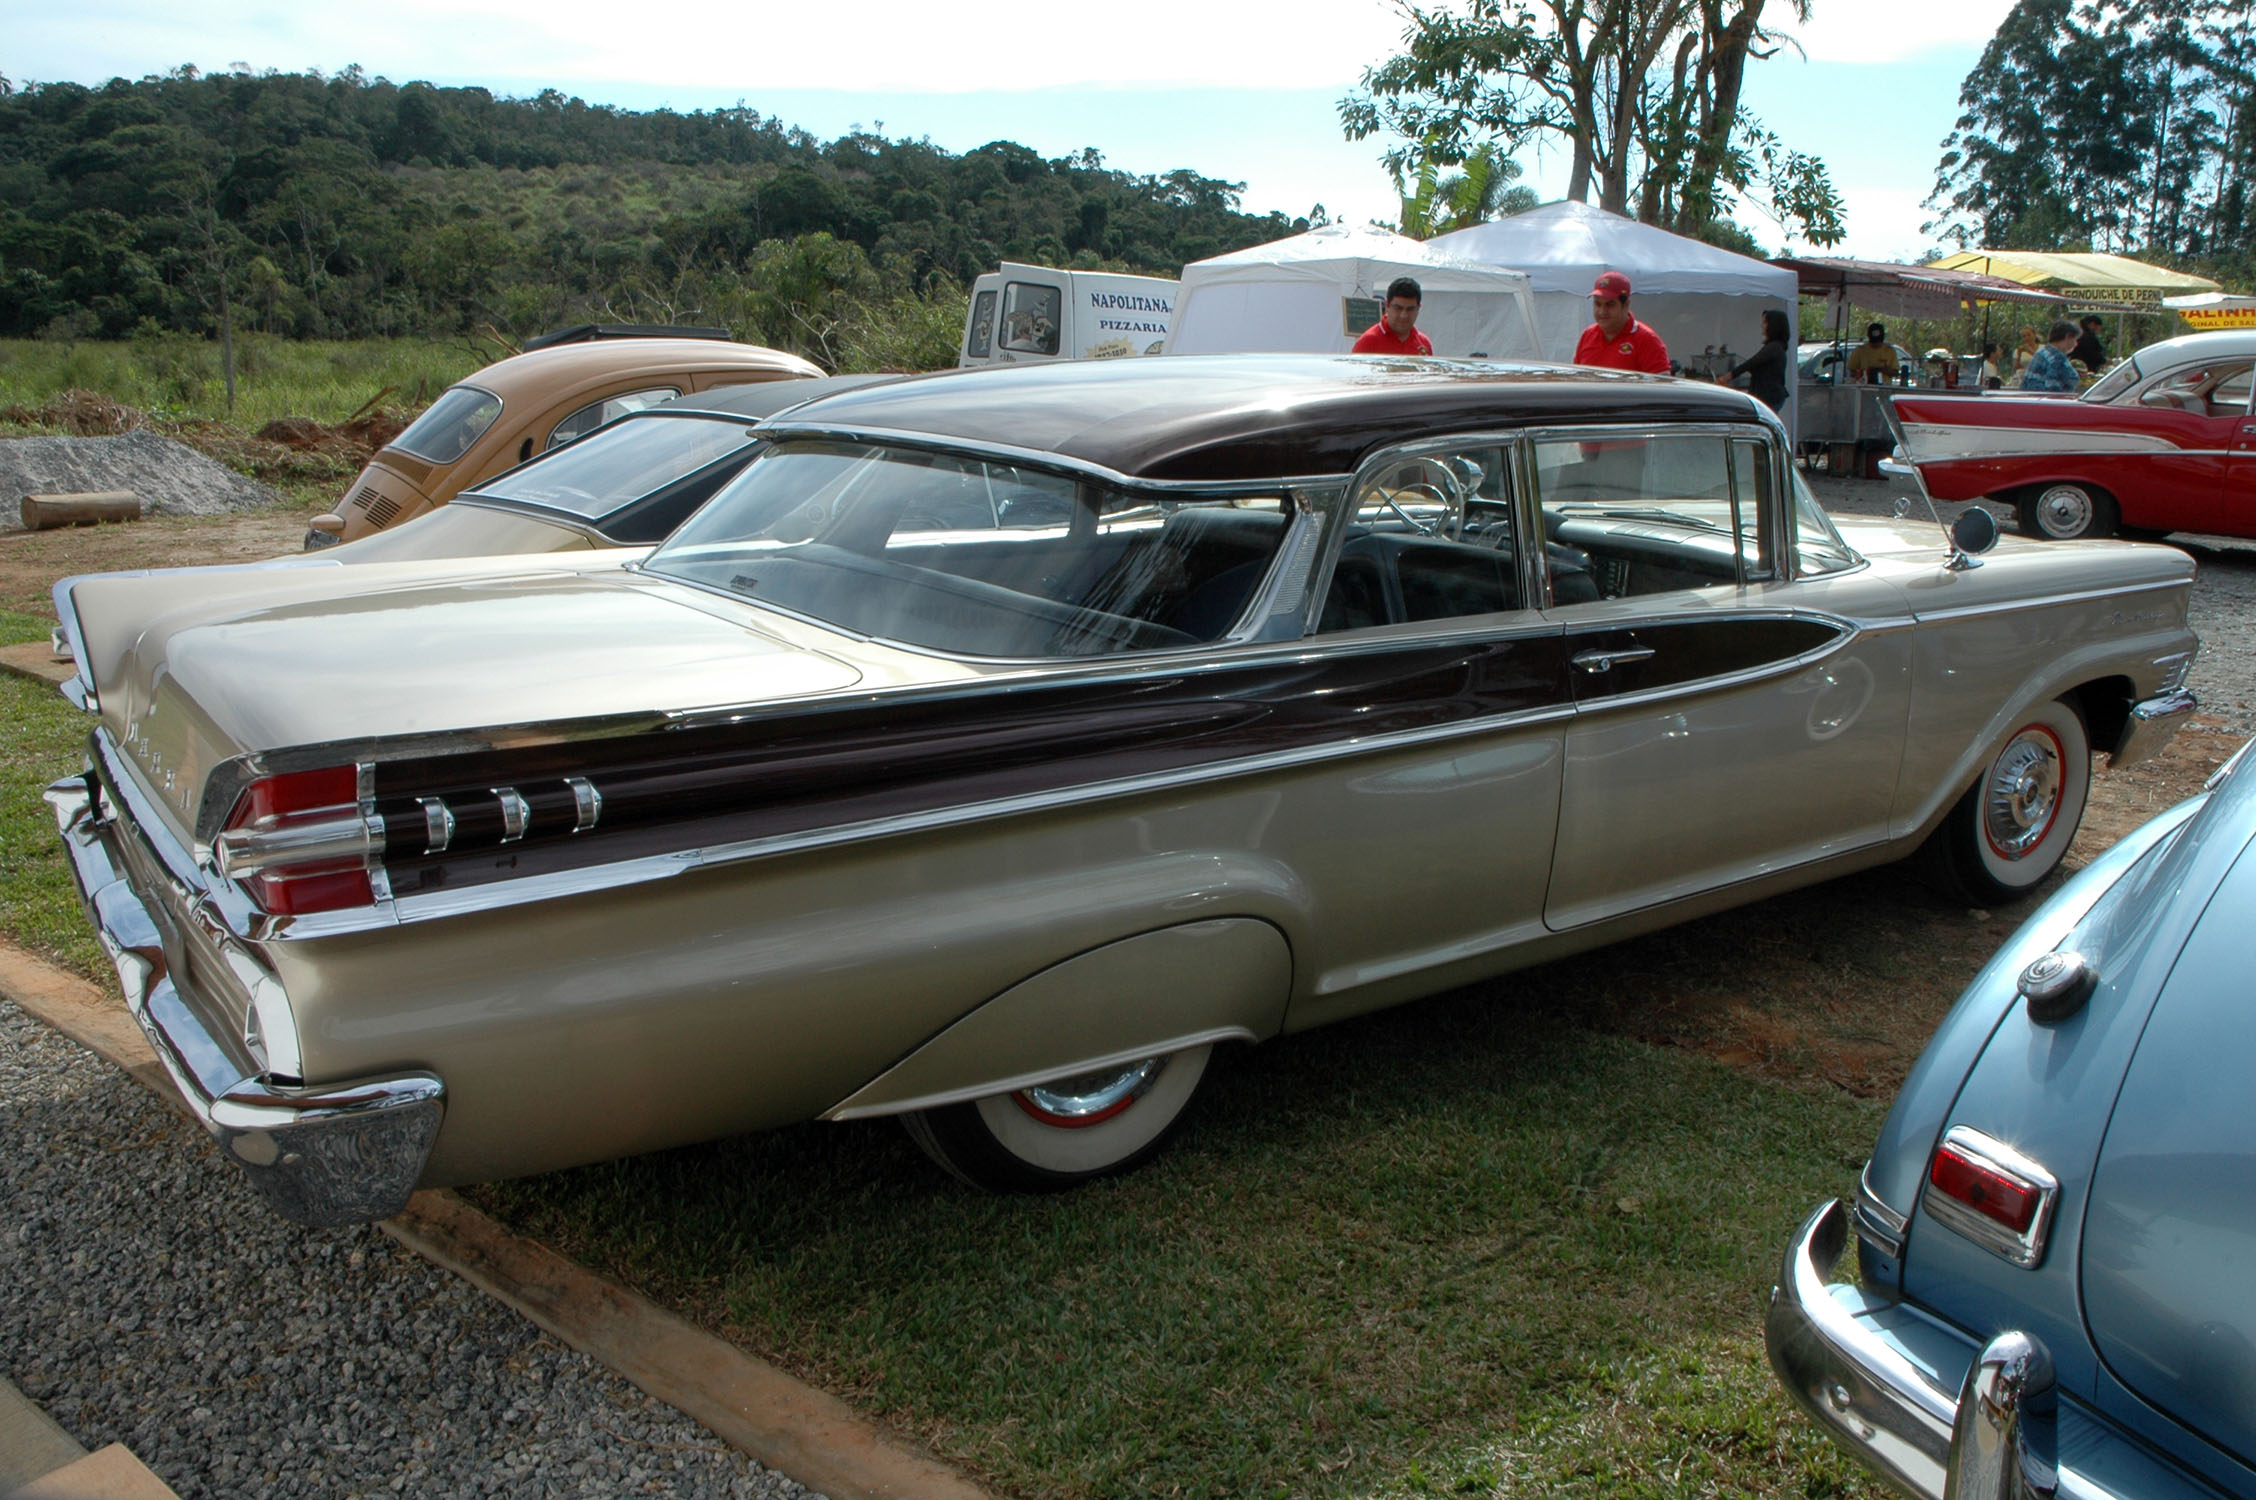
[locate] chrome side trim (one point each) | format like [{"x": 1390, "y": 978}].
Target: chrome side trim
[
  {"x": 778, "y": 430},
  {"x": 1047, "y": 1075},
  {"x": 2023, "y": 606},
  {"x": 1876, "y": 1223},
  {"x": 428, "y": 906},
  {"x": 327, "y": 1155}
]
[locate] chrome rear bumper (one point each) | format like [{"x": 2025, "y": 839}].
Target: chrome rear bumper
[
  {"x": 1925, "y": 1409},
  {"x": 325, "y": 1155}
]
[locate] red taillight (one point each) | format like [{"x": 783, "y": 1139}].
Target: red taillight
[
  {"x": 1985, "y": 1189},
  {"x": 297, "y": 842},
  {"x": 1992, "y": 1193}
]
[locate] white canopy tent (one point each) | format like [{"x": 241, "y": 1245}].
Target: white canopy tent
[
  {"x": 1316, "y": 293},
  {"x": 1705, "y": 302}
]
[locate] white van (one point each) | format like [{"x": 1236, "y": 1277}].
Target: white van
[{"x": 1034, "y": 314}]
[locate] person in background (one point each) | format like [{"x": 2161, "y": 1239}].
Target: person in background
[
  {"x": 1993, "y": 377},
  {"x": 1766, "y": 368},
  {"x": 1874, "y": 359},
  {"x": 2089, "y": 351},
  {"x": 2028, "y": 351},
  {"x": 1615, "y": 340},
  {"x": 2049, "y": 369},
  {"x": 1396, "y": 332}
]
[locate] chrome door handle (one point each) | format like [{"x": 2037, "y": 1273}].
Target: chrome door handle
[{"x": 1599, "y": 663}]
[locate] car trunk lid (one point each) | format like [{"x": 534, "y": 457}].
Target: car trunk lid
[
  {"x": 194, "y": 668},
  {"x": 2169, "y": 1245}
]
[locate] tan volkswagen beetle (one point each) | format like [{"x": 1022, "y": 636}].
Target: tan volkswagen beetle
[
  {"x": 561, "y": 387},
  {"x": 994, "y": 747}
]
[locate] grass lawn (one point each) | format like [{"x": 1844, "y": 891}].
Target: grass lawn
[
  {"x": 1467, "y": 1247},
  {"x": 39, "y": 906},
  {"x": 176, "y": 376}
]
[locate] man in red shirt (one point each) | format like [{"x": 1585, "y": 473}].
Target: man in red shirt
[
  {"x": 1396, "y": 332},
  {"x": 1615, "y": 340}
]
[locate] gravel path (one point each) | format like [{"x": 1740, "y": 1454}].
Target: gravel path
[{"x": 146, "y": 1298}]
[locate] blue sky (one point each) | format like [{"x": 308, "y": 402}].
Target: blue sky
[{"x": 1243, "y": 92}]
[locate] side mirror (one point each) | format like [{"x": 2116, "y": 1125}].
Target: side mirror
[{"x": 1975, "y": 530}]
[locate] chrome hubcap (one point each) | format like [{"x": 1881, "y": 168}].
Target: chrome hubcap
[
  {"x": 1090, "y": 1098},
  {"x": 2023, "y": 793},
  {"x": 2066, "y": 511}
]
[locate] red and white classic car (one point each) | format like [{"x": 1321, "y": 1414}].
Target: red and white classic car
[{"x": 2164, "y": 442}]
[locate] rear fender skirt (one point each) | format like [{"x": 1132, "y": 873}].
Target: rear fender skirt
[{"x": 1224, "y": 980}]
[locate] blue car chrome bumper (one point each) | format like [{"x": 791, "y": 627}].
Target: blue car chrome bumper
[
  {"x": 1920, "y": 1404},
  {"x": 325, "y": 1155}
]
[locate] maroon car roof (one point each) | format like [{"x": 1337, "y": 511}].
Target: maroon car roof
[{"x": 1254, "y": 416}]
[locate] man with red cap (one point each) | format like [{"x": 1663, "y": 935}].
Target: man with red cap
[{"x": 1615, "y": 340}]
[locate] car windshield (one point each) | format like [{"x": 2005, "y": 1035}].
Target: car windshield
[
  {"x": 966, "y": 555},
  {"x": 450, "y": 425},
  {"x": 616, "y": 465},
  {"x": 2115, "y": 382}
]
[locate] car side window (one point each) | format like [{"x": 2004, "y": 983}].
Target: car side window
[
  {"x": 2229, "y": 398},
  {"x": 596, "y": 413},
  {"x": 1432, "y": 538},
  {"x": 1653, "y": 513},
  {"x": 2206, "y": 390},
  {"x": 982, "y": 337}
]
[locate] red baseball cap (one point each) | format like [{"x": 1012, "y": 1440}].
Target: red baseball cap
[{"x": 1610, "y": 284}]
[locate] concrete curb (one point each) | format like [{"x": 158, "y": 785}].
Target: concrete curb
[{"x": 746, "y": 1402}]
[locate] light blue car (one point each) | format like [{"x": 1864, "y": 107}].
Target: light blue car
[{"x": 2056, "y": 1235}]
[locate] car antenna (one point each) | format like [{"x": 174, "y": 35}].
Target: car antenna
[{"x": 1975, "y": 530}]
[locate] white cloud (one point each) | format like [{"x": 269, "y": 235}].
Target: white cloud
[
  {"x": 1858, "y": 31},
  {"x": 522, "y": 46}
]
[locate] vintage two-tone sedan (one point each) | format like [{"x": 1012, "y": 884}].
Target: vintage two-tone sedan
[
  {"x": 997, "y": 745},
  {"x": 2165, "y": 441}
]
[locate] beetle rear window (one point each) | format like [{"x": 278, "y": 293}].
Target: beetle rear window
[
  {"x": 969, "y": 556},
  {"x": 450, "y": 425},
  {"x": 620, "y": 463}
]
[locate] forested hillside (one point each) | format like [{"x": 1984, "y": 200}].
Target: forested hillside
[{"x": 350, "y": 206}]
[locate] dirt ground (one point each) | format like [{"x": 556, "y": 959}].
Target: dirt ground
[{"x": 1839, "y": 985}]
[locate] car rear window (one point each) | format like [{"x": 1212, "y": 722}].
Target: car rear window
[
  {"x": 621, "y": 463},
  {"x": 452, "y": 423},
  {"x": 971, "y": 556}
]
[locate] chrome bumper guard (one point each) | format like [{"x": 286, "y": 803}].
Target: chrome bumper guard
[
  {"x": 1991, "y": 1434},
  {"x": 2150, "y": 726},
  {"x": 325, "y": 1156}
]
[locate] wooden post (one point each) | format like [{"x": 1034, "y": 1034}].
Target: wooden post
[{"x": 41, "y": 512}]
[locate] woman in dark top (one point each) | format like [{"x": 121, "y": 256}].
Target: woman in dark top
[{"x": 1766, "y": 369}]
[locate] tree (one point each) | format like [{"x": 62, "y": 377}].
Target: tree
[
  {"x": 1436, "y": 203},
  {"x": 2116, "y": 124},
  {"x": 1645, "y": 93}
]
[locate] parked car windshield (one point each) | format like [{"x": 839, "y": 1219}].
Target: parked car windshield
[
  {"x": 451, "y": 424},
  {"x": 625, "y": 461},
  {"x": 965, "y": 555},
  {"x": 2115, "y": 382}
]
